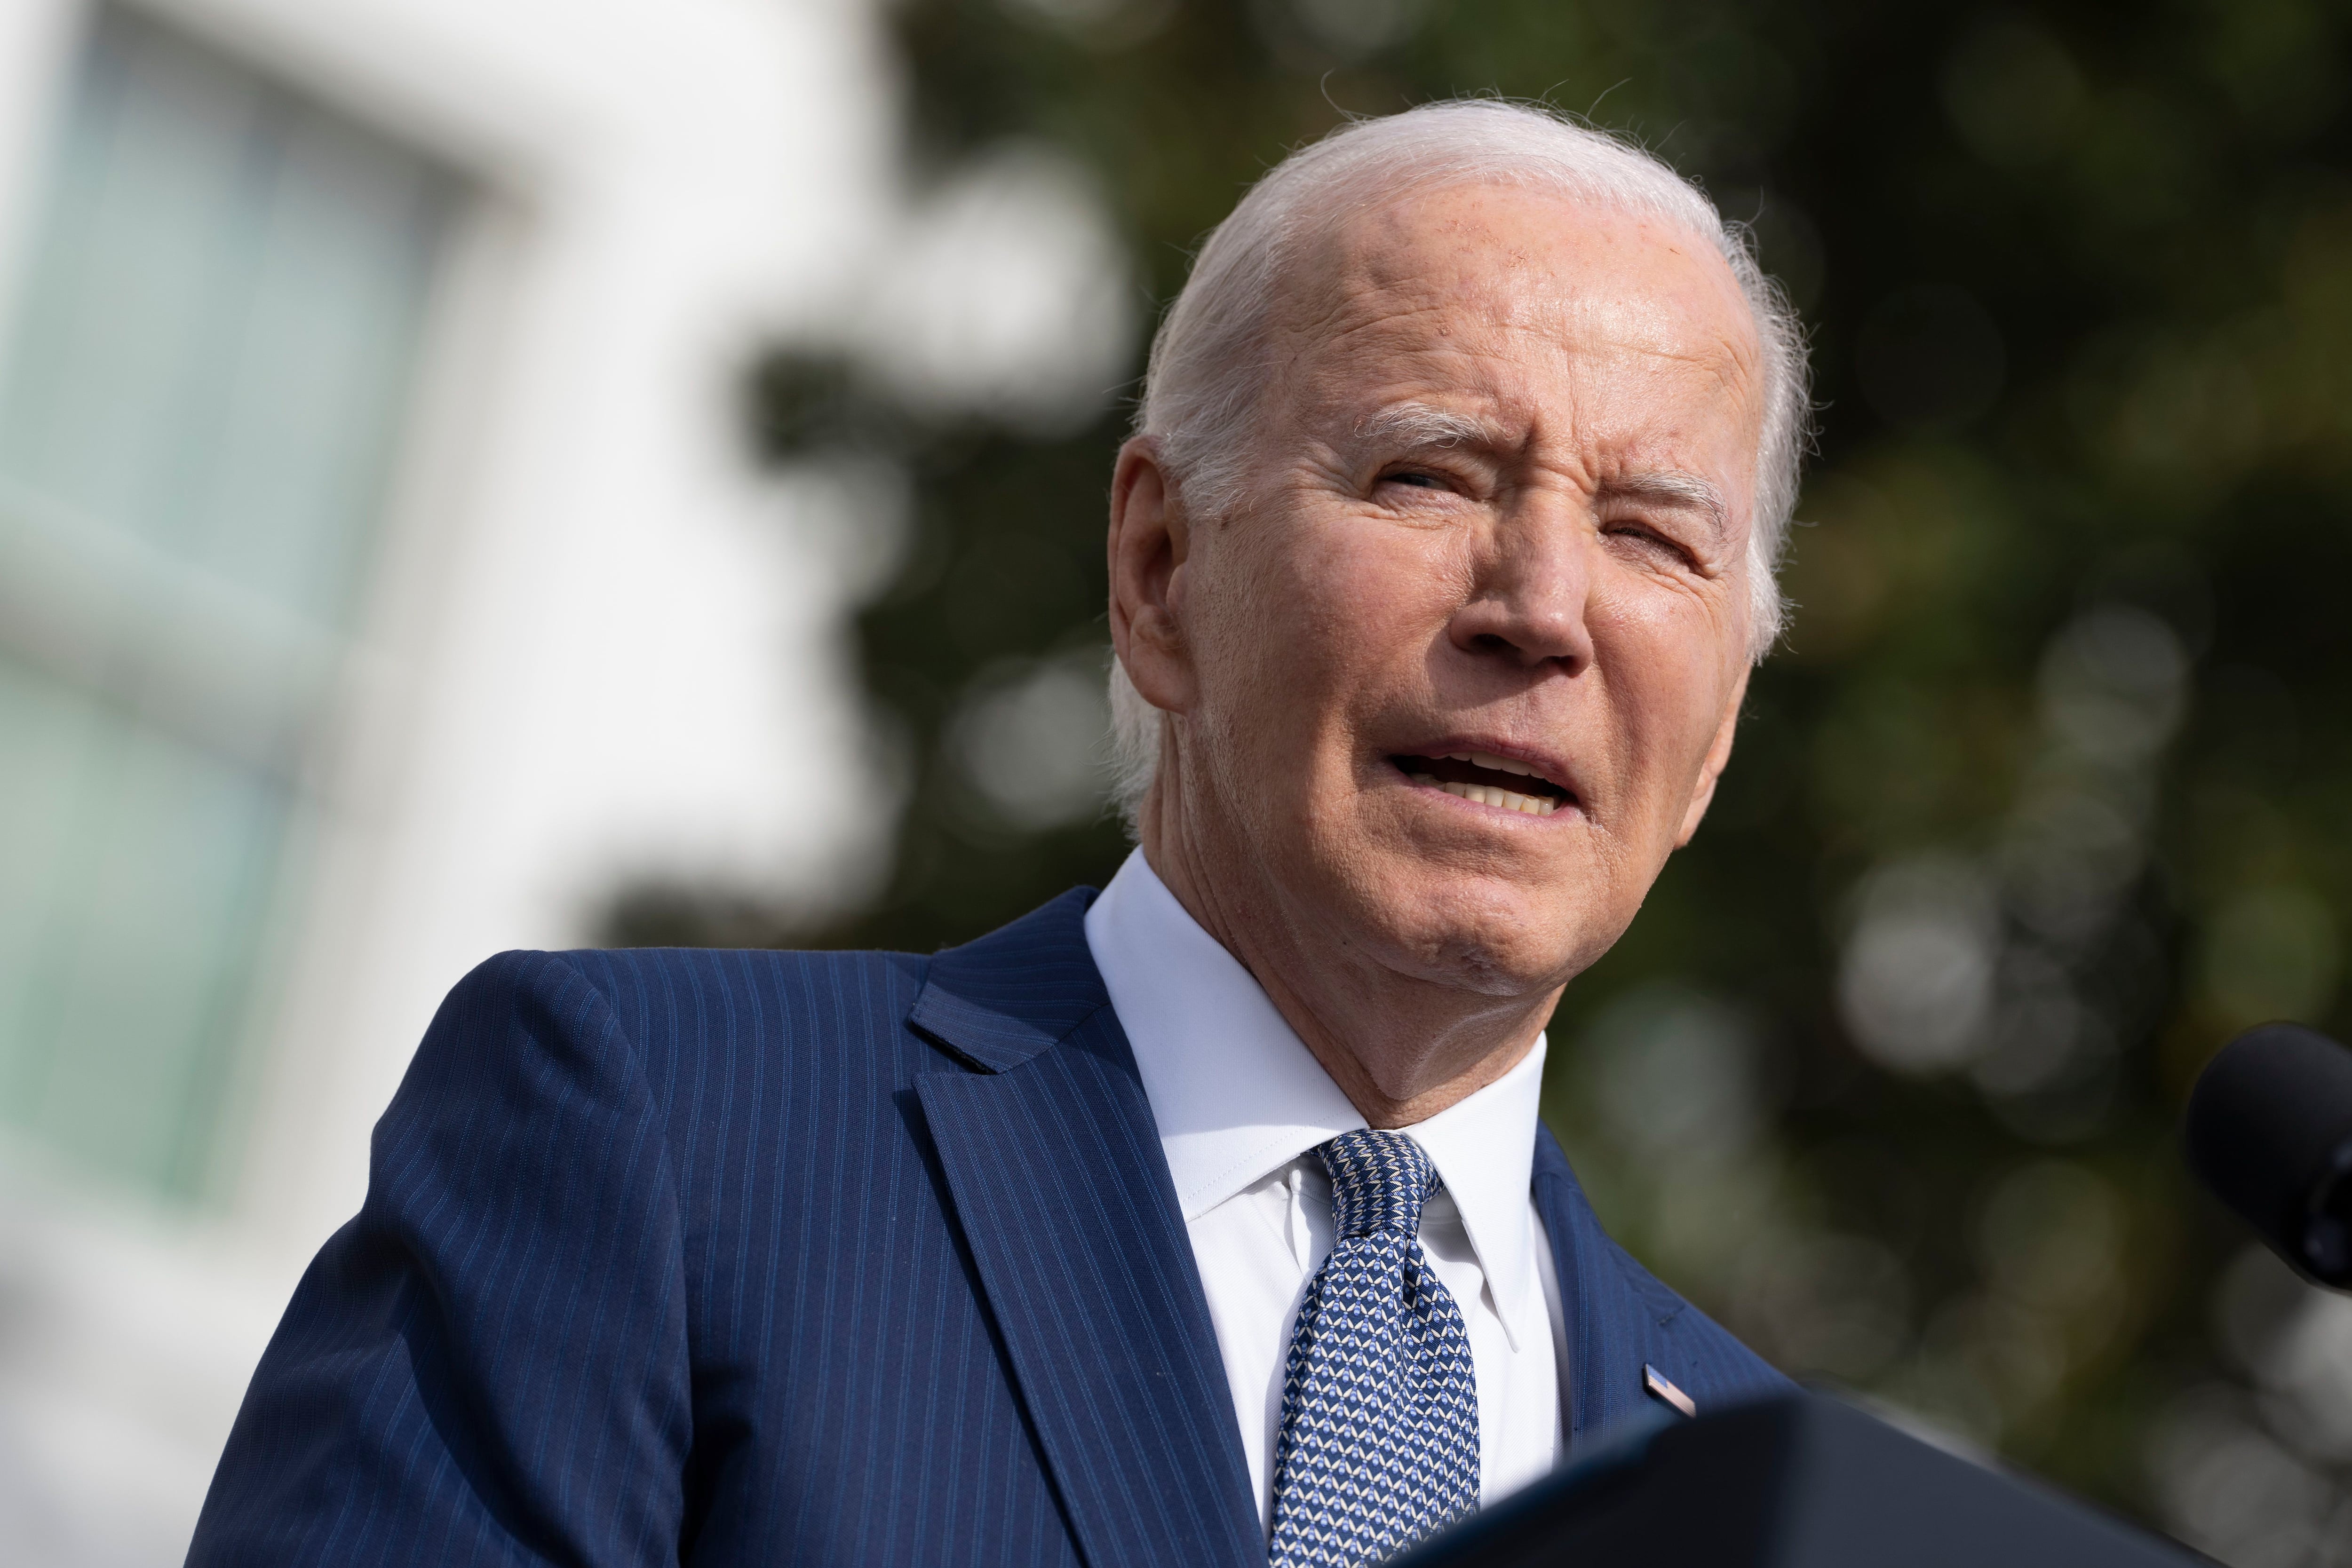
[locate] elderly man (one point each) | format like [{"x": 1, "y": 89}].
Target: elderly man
[{"x": 1208, "y": 1221}]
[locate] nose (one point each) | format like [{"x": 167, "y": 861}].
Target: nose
[{"x": 1529, "y": 599}]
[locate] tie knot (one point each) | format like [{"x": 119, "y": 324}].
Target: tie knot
[{"x": 1379, "y": 1182}]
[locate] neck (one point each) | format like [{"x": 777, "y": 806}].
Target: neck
[{"x": 1402, "y": 1047}]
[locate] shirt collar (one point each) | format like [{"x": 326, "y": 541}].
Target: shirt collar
[{"x": 1238, "y": 1094}]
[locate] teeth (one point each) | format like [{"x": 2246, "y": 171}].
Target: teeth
[
  {"x": 1488, "y": 795},
  {"x": 1485, "y": 759}
]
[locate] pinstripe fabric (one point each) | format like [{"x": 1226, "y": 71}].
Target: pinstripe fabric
[
  {"x": 1098, "y": 1298},
  {"x": 747, "y": 1257},
  {"x": 1621, "y": 1318}
]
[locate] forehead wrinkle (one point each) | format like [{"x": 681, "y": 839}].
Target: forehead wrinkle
[
  {"x": 1412, "y": 240},
  {"x": 1732, "y": 364},
  {"x": 1347, "y": 316},
  {"x": 1394, "y": 312},
  {"x": 1363, "y": 378},
  {"x": 1352, "y": 317}
]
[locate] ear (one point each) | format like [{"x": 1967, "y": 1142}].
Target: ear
[
  {"x": 1148, "y": 541},
  {"x": 1718, "y": 757}
]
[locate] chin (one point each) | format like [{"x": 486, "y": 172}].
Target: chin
[
  {"x": 1500, "y": 916},
  {"x": 1484, "y": 934}
]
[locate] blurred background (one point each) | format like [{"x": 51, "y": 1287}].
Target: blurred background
[{"x": 493, "y": 473}]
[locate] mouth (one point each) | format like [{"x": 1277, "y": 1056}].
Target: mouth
[{"x": 1484, "y": 779}]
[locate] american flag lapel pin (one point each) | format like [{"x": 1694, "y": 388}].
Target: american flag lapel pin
[{"x": 1661, "y": 1389}]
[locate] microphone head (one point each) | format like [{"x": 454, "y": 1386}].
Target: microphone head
[{"x": 2269, "y": 1132}]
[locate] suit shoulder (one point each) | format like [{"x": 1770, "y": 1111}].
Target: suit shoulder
[
  {"x": 1712, "y": 1357},
  {"x": 1706, "y": 1360},
  {"x": 737, "y": 968},
  {"x": 516, "y": 983},
  {"x": 694, "y": 999},
  {"x": 678, "y": 993},
  {"x": 1666, "y": 1303}
]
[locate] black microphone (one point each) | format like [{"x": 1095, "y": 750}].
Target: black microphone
[{"x": 2269, "y": 1132}]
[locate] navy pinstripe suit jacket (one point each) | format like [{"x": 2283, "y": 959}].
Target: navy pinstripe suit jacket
[{"x": 756, "y": 1257}]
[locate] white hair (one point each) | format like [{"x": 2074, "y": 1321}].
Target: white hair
[{"x": 1210, "y": 360}]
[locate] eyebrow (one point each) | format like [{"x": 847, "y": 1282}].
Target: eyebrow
[
  {"x": 1672, "y": 488},
  {"x": 1417, "y": 424}
]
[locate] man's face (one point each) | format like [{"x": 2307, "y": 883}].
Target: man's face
[{"x": 1499, "y": 509}]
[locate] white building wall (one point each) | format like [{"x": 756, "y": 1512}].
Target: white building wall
[{"x": 597, "y": 644}]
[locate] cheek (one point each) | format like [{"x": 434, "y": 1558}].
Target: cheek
[
  {"x": 1369, "y": 591},
  {"x": 1319, "y": 621},
  {"x": 1305, "y": 606},
  {"x": 1660, "y": 652}
]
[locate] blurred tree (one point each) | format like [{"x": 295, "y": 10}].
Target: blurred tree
[{"x": 2050, "y": 788}]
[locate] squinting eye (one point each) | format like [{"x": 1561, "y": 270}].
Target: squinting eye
[
  {"x": 1419, "y": 481},
  {"x": 1652, "y": 539}
]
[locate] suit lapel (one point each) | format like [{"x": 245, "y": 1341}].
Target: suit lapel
[
  {"x": 1607, "y": 1337},
  {"x": 1058, "y": 1178}
]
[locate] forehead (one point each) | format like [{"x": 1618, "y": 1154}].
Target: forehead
[{"x": 1533, "y": 308}]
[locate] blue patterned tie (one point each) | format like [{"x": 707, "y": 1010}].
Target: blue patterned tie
[{"x": 1379, "y": 1403}]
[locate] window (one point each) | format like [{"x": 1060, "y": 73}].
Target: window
[{"x": 199, "y": 398}]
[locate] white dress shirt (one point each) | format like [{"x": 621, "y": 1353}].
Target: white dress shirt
[{"x": 1241, "y": 1103}]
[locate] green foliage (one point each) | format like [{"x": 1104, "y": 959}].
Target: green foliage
[{"x": 2067, "y": 679}]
